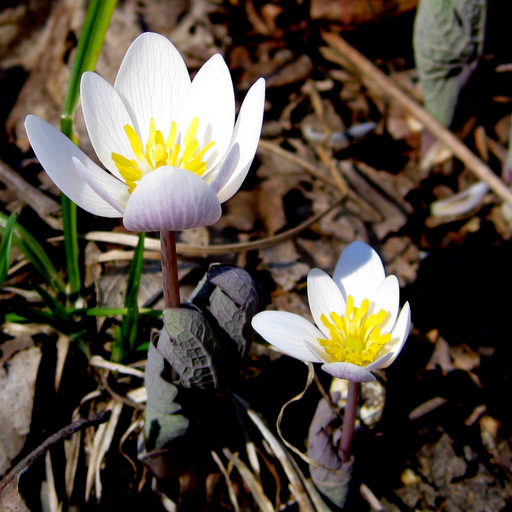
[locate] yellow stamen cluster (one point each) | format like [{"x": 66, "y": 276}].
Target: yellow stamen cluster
[
  {"x": 158, "y": 152},
  {"x": 356, "y": 337}
]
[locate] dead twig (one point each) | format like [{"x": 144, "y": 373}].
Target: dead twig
[
  {"x": 44, "y": 206},
  {"x": 377, "y": 80},
  {"x": 199, "y": 250},
  {"x": 26, "y": 462}
]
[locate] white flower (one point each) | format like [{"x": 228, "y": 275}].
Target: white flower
[
  {"x": 358, "y": 327},
  {"x": 171, "y": 145}
]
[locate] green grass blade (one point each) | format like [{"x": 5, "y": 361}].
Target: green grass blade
[
  {"x": 126, "y": 336},
  {"x": 58, "y": 310},
  {"x": 5, "y": 247},
  {"x": 88, "y": 49},
  {"x": 130, "y": 322},
  {"x": 69, "y": 226},
  {"x": 103, "y": 311},
  {"x": 34, "y": 252}
]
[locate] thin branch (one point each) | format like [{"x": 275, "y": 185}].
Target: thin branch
[
  {"x": 199, "y": 250},
  {"x": 378, "y": 81},
  {"x": 26, "y": 462}
]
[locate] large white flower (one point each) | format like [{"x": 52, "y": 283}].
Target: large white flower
[
  {"x": 171, "y": 145},
  {"x": 358, "y": 327}
]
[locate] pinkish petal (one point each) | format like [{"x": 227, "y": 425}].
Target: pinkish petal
[
  {"x": 171, "y": 199},
  {"x": 348, "y": 371}
]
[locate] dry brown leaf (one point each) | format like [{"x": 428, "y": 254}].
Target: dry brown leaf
[
  {"x": 25, "y": 193},
  {"x": 20, "y": 33},
  {"x": 350, "y": 13},
  {"x": 284, "y": 264},
  {"x": 17, "y": 387},
  {"x": 10, "y": 499},
  {"x": 111, "y": 286},
  {"x": 281, "y": 260},
  {"x": 44, "y": 91}
]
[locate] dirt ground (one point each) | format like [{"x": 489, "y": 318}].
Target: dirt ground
[{"x": 437, "y": 427}]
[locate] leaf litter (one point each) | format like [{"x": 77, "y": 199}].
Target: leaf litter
[{"x": 443, "y": 429}]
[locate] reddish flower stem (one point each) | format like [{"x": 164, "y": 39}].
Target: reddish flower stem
[
  {"x": 349, "y": 420},
  {"x": 171, "y": 284}
]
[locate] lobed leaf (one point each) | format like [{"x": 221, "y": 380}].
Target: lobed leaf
[
  {"x": 194, "y": 351},
  {"x": 229, "y": 295},
  {"x": 163, "y": 420}
]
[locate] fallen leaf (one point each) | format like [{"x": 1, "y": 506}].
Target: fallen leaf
[{"x": 17, "y": 388}]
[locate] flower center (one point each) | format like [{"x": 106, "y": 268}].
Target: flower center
[
  {"x": 159, "y": 151},
  {"x": 356, "y": 337}
]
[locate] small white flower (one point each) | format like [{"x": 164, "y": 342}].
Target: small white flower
[
  {"x": 171, "y": 145},
  {"x": 358, "y": 326}
]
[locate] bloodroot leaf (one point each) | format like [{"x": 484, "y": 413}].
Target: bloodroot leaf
[
  {"x": 163, "y": 423},
  {"x": 330, "y": 476},
  {"x": 194, "y": 359},
  {"x": 229, "y": 295},
  {"x": 448, "y": 42},
  {"x": 194, "y": 350}
]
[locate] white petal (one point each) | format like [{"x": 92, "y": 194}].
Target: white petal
[
  {"x": 247, "y": 134},
  {"x": 211, "y": 99},
  {"x": 105, "y": 116},
  {"x": 315, "y": 347},
  {"x": 399, "y": 333},
  {"x": 348, "y": 371},
  {"x": 380, "y": 362},
  {"x": 108, "y": 187},
  {"x": 56, "y": 154},
  {"x": 153, "y": 81},
  {"x": 359, "y": 271},
  {"x": 227, "y": 168},
  {"x": 286, "y": 331},
  {"x": 171, "y": 199},
  {"x": 324, "y": 297},
  {"x": 387, "y": 297}
]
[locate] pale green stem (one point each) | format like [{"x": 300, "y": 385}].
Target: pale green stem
[
  {"x": 349, "y": 420},
  {"x": 171, "y": 284}
]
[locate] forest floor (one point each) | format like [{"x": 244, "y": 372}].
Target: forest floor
[{"x": 436, "y": 433}]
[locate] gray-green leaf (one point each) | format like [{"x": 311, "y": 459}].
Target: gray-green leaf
[
  {"x": 163, "y": 421},
  {"x": 448, "y": 41},
  {"x": 330, "y": 475},
  {"x": 229, "y": 294},
  {"x": 200, "y": 358}
]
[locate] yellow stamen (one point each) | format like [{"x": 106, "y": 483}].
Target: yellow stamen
[
  {"x": 356, "y": 336},
  {"x": 159, "y": 151}
]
